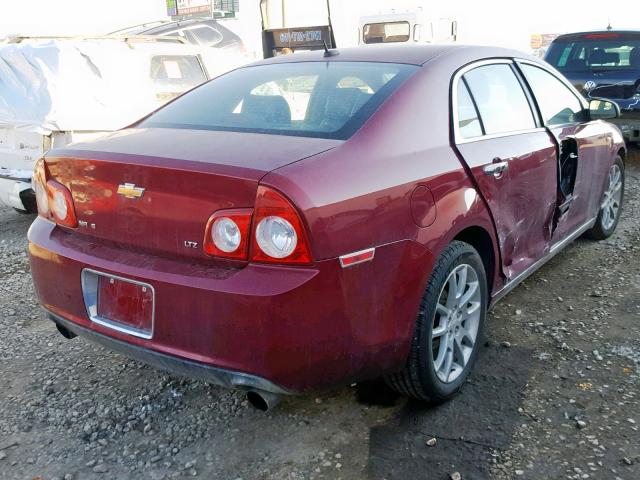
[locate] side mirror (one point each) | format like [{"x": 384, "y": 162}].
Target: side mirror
[{"x": 602, "y": 109}]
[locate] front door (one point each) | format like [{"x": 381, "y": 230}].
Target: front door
[
  {"x": 512, "y": 160},
  {"x": 580, "y": 147}
]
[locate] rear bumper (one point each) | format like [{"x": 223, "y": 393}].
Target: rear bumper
[
  {"x": 208, "y": 373},
  {"x": 298, "y": 328}
]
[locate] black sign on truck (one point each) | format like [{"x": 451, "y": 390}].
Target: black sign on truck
[{"x": 281, "y": 41}]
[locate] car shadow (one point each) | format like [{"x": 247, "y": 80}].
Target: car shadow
[{"x": 481, "y": 418}]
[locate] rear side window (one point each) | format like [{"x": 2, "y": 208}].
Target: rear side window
[
  {"x": 501, "y": 101},
  {"x": 313, "y": 99},
  {"x": 557, "y": 103},
  {"x": 174, "y": 74},
  {"x": 205, "y": 35},
  {"x": 468, "y": 121},
  {"x": 386, "y": 32},
  {"x": 178, "y": 71}
]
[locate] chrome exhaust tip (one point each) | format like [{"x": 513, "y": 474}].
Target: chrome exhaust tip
[{"x": 262, "y": 400}]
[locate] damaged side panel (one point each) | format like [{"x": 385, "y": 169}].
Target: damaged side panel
[
  {"x": 521, "y": 197},
  {"x": 580, "y": 152}
]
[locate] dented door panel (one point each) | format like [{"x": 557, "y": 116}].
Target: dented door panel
[
  {"x": 522, "y": 199},
  {"x": 592, "y": 152}
]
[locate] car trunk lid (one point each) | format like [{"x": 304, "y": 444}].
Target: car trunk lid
[{"x": 155, "y": 189}]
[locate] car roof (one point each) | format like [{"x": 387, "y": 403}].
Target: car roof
[
  {"x": 578, "y": 35},
  {"x": 396, "y": 53}
]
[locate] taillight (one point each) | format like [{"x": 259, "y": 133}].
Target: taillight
[
  {"x": 53, "y": 199},
  {"x": 227, "y": 234},
  {"x": 39, "y": 183},
  {"x": 278, "y": 233},
  {"x": 272, "y": 232},
  {"x": 61, "y": 204}
]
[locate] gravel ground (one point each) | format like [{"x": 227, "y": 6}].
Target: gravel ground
[{"x": 555, "y": 394}]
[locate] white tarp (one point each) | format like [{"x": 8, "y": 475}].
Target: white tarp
[{"x": 90, "y": 85}]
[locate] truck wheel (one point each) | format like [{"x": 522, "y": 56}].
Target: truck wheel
[
  {"x": 448, "y": 329},
  {"x": 611, "y": 203}
]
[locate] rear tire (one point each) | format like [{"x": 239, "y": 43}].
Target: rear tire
[
  {"x": 448, "y": 329},
  {"x": 611, "y": 203}
]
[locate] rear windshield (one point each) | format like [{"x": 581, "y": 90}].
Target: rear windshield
[
  {"x": 312, "y": 99},
  {"x": 595, "y": 54}
]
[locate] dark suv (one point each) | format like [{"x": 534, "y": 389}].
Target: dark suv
[
  {"x": 604, "y": 64},
  {"x": 204, "y": 31}
]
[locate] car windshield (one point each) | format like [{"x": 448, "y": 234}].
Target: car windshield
[
  {"x": 602, "y": 52},
  {"x": 312, "y": 99}
]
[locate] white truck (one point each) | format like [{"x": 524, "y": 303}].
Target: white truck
[
  {"x": 296, "y": 25},
  {"x": 56, "y": 91}
]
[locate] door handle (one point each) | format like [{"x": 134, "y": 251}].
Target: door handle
[{"x": 496, "y": 169}]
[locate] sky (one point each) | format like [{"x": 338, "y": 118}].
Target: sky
[
  {"x": 499, "y": 22},
  {"x": 70, "y": 17}
]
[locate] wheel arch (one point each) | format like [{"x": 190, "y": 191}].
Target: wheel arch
[
  {"x": 461, "y": 217},
  {"x": 482, "y": 242}
]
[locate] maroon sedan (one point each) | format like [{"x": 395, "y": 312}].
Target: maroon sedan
[{"x": 318, "y": 219}]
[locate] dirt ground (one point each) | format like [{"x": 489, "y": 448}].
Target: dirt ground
[{"x": 556, "y": 393}]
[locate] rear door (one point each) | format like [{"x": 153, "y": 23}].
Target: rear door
[
  {"x": 581, "y": 146},
  {"x": 512, "y": 159}
]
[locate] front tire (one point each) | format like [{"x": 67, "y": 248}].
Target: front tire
[
  {"x": 611, "y": 203},
  {"x": 448, "y": 329}
]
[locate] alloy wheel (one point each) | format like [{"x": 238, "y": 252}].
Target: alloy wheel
[
  {"x": 610, "y": 205},
  {"x": 456, "y": 323}
]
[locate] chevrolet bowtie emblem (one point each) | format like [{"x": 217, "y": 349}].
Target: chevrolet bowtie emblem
[{"x": 129, "y": 190}]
